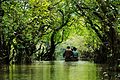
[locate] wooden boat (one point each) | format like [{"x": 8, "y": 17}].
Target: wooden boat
[{"x": 71, "y": 59}]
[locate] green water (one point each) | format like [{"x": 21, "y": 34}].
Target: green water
[{"x": 57, "y": 70}]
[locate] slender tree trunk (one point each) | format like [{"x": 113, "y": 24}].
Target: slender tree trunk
[
  {"x": 50, "y": 54},
  {"x": 52, "y": 49},
  {"x": 113, "y": 43}
]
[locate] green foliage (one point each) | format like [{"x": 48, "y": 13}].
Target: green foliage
[{"x": 82, "y": 23}]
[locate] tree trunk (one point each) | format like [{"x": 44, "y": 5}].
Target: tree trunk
[
  {"x": 50, "y": 54},
  {"x": 52, "y": 49}
]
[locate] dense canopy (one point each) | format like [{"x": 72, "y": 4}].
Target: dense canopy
[{"x": 41, "y": 29}]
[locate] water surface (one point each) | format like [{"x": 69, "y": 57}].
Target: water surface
[{"x": 46, "y": 70}]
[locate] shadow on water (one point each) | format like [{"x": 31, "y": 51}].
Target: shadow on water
[{"x": 56, "y": 70}]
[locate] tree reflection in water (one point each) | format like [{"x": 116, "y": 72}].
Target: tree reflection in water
[
  {"x": 58, "y": 70},
  {"x": 108, "y": 73}
]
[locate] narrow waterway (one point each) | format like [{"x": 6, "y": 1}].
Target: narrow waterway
[{"x": 57, "y": 70}]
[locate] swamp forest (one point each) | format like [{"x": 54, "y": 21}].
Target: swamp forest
[{"x": 34, "y": 34}]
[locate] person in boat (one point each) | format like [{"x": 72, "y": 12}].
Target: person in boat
[
  {"x": 68, "y": 54},
  {"x": 75, "y": 54}
]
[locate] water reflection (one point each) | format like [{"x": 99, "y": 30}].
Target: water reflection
[
  {"x": 107, "y": 73},
  {"x": 81, "y": 71},
  {"x": 56, "y": 70}
]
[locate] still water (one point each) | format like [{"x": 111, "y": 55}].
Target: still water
[{"x": 46, "y": 70}]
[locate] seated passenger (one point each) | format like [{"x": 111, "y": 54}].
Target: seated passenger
[
  {"x": 75, "y": 54},
  {"x": 68, "y": 54}
]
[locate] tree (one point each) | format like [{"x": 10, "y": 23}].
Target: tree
[
  {"x": 5, "y": 46},
  {"x": 29, "y": 23},
  {"x": 60, "y": 19},
  {"x": 103, "y": 17}
]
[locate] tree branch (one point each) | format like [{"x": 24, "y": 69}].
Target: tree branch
[{"x": 61, "y": 39}]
